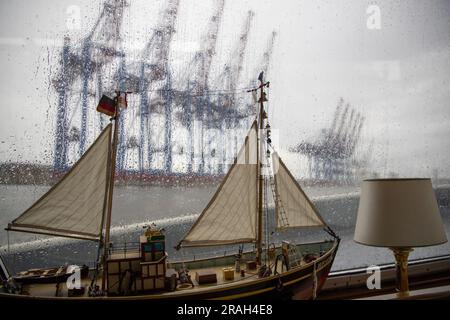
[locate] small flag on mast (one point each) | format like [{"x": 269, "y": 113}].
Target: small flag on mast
[{"x": 107, "y": 106}]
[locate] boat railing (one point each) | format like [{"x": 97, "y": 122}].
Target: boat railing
[
  {"x": 304, "y": 249},
  {"x": 208, "y": 255},
  {"x": 198, "y": 256}
]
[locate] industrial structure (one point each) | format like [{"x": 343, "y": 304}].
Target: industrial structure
[
  {"x": 81, "y": 77},
  {"x": 193, "y": 99},
  {"x": 333, "y": 157},
  {"x": 151, "y": 79}
]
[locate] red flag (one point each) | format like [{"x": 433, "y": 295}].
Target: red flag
[{"x": 107, "y": 106}]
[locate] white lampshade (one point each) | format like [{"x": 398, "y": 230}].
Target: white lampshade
[{"x": 399, "y": 213}]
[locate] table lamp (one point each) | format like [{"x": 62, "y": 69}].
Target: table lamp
[{"x": 399, "y": 214}]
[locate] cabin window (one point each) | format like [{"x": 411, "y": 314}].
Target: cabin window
[{"x": 158, "y": 246}]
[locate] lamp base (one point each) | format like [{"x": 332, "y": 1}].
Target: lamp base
[{"x": 401, "y": 264}]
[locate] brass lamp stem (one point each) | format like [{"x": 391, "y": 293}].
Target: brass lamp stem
[{"x": 401, "y": 258}]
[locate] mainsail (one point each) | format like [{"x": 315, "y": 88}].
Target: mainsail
[
  {"x": 294, "y": 209},
  {"x": 231, "y": 215},
  {"x": 75, "y": 206}
]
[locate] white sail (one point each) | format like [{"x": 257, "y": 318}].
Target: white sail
[
  {"x": 231, "y": 215},
  {"x": 293, "y": 208},
  {"x": 74, "y": 207}
]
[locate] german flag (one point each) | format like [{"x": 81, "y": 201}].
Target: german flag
[{"x": 107, "y": 106}]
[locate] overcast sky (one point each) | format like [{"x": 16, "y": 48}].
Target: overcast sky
[{"x": 396, "y": 75}]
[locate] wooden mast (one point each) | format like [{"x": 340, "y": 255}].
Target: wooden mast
[
  {"x": 111, "y": 189},
  {"x": 260, "y": 156}
]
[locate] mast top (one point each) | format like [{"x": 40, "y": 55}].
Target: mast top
[{"x": 262, "y": 83}]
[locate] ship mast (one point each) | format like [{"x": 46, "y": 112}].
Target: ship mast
[
  {"x": 260, "y": 155},
  {"x": 112, "y": 169}
]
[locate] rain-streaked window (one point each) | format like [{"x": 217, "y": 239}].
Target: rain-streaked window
[{"x": 357, "y": 90}]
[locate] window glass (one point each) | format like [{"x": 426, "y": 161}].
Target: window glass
[{"x": 357, "y": 90}]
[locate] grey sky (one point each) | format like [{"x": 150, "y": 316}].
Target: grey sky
[{"x": 398, "y": 76}]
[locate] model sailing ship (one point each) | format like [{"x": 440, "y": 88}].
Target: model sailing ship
[{"x": 79, "y": 206}]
